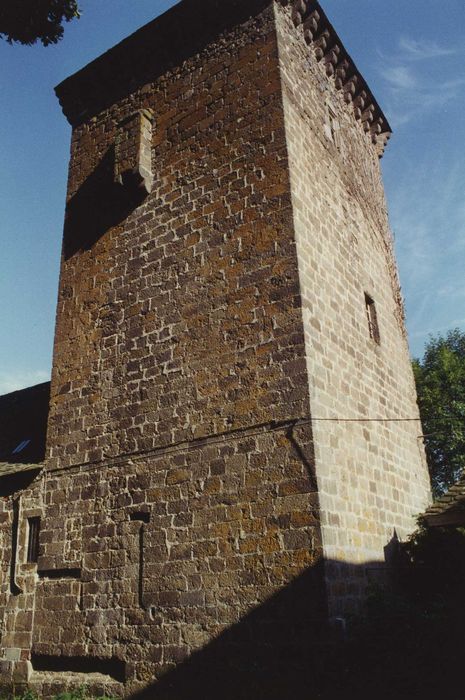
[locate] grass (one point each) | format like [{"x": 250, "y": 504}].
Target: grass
[{"x": 77, "y": 694}]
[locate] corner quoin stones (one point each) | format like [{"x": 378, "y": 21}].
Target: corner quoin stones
[{"x": 225, "y": 226}]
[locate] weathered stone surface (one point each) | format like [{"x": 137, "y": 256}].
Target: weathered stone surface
[
  {"x": 205, "y": 327},
  {"x": 372, "y": 477}
]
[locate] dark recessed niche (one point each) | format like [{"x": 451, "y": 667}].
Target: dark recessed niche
[
  {"x": 141, "y": 516},
  {"x": 59, "y": 573},
  {"x": 115, "y": 668},
  {"x": 33, "y": 540},
  {"x": 372, "y": 318}
]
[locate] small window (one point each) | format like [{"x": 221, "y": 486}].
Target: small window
[
  {"x": 33, "y": 540},
  {"x": 372, "y": 318}
]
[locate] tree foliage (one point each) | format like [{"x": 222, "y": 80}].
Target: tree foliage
[
  {"x": 29, "y": 21},
  {"x": 440, "y": 380}
]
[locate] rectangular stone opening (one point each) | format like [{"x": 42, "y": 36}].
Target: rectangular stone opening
[
  {"x": 140, "y": 516},
  {"x": 33, "y": 540},
  {"x": 113, "y": 667},
  {"x": 372, "y": 318},
  {"x": 59, "y": 573}
]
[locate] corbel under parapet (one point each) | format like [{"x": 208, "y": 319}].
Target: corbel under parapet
[{"x": 321, "y": 37}]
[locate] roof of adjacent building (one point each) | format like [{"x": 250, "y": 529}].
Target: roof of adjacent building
[
  {"x": 23, "y": 428},
  {"x": 8, "y": 469},
  {"x": 449, "y": 509}
]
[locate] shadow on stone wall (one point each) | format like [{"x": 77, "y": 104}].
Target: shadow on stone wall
[
  {"x": 268, "y": 654},
  {"x": 98, "y": 205},
  {"x": 282, "y": 650}
]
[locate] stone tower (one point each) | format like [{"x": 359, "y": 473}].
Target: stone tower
[{"x": 228, "y": 449}]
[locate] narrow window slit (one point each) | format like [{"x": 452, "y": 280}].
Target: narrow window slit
[
  {"x": 33, "y": 540},
  {"x": 372, "y": 318},
  {"x": 143, "y": 517}
]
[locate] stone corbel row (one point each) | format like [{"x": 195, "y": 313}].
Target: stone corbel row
[{"x": 328, "y": 49}]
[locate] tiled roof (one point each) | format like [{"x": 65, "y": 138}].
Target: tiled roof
[
  {"x": 449, "y": 509},
  {"x": 7, "y": 469},
  {"x": 14, "y": 478},
  {"x": 23, "y": 425}
]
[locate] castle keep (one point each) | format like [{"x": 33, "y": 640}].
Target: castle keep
[{"x": 228, "y": 453}]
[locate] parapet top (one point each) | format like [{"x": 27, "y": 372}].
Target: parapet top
[
  {"x": 162, "y": 44},
  {"x": 188, "y": 26},
  {"x": 320, "y": 34}
]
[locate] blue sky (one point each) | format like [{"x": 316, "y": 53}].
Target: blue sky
[{"x": 411, "y": 54}]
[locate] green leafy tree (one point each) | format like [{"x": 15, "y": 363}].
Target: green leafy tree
[
  {"x": 29, "y": 21},
  {"x": 440, "y": 380}
]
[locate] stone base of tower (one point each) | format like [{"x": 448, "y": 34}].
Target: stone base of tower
[{"x": 193, "y": 566}]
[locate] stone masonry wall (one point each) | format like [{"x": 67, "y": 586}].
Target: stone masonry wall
[
  {"x": 226, "y": 524},
  {"x": 183, "y": 318},
  {"x": 372, "y": 475},
  {"x": 180, "y": 522},
  {"x": 199, "y": 318},
  {"x": 144, "y": 562},
  {"x": 17, "y": 583}
]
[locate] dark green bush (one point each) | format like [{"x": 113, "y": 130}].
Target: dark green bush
[
  {"x": 409, "y": 642},
  {"x": 77, "y": 694}
]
